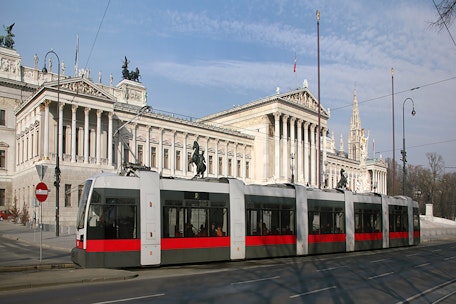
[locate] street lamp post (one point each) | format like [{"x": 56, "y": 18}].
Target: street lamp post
[
  {"x": 319, "y": 105},
  {"x": 57, "y": 157},
  {"x": 403, "y": 152}
]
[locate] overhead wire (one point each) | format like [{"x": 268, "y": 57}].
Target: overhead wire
[{"x": 96, "y": 36}]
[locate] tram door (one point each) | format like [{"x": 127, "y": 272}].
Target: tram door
[{"x": 149, "y": 183}]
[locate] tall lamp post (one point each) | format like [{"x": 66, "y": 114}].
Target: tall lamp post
[
  {"x": 57, "y": 157},
  {"x": 403, "y": 152},
  {"x": 319, "y": 107}
]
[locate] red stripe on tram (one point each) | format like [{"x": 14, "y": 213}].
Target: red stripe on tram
[
  {"x": 327, "y": 238},
  {"x": 195, "y": 242},
  {"x": 398, "y": 235},
  {"x": 270, "y": 240},
  {"x": 375, "y": 236},
  {"x": 113, "y": 245}
]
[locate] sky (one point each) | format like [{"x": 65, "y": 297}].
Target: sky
[{"x": 198, "y": 58}]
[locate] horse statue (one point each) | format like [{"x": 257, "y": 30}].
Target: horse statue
[
  {"x": 198, "y": 160},
  {"x": 343, "y": 179}
]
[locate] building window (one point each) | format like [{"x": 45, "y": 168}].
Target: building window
[
  {"x": 178, "y": 160},
  {"x": 140, "y": 154},
  {"x": 211, "y": 164},
  {"x": 166, "y": 159},
  {"x": 2, "y": 197},
  {"x": 238, "y": 168},
  {"x": 153, "y": 157},
  {"x": 2, "y": 159},
  {"x": 247, "y": 169},
  {"x": 230, "y": 167},
  {"x": 67, "y": 195},
  {"x": 220, "y": 165},
  {"x": 2, "y": 118}
]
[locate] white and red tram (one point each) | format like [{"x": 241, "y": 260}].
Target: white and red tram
[{"x": 146, "y": 220}]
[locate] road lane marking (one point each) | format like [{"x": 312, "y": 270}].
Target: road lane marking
[
  {"x": 131, "y": 299},
  {"x": 330, "y": 268},
  {"x": 449, "y": 258},
  {"x": 381, "y": 275},
  {"x": 422, "y": 265},
  {"x": 421, "y": 294},
  {"x": 382, "y": 260},
  {"x": 254, "y": 281},
  {"x": 311, "y": 292}
]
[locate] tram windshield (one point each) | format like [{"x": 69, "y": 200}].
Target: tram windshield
[{"x": 83, "y": 204}]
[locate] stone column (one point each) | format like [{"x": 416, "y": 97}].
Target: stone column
[
  {"x": 173, "y": 153},
  {"x": 324, "y": 160},
  {"x": 299, "y": 157},
  {"x": 110, "y": 115},
  {"x": 60, "y": 131},
  {"x": 285, "y": 154},
  {"x": 313, "y": 153},
  {"x": 73, "y": 133},
  {"x": 184, "y": 156},
  {"x": 266, "y": 158},
  {"x": 160, "y": 151},
  {"x": 276, "y": 145},
  {"x": 227, "y": 171},
  {"x": 216, "y": 158},
  {"x": 86, "y": 135},
  {"x": 147, "y": 150},
  {"x": 292, "y": 147},
  {"x": 306, "y": 153},
  {"x": 46, "y": 129},
  {"x": 99, "y": 136}
]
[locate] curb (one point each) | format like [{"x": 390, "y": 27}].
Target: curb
[
  {"x": 37, "y": 267},
  {"x": 53, "y": 277}
]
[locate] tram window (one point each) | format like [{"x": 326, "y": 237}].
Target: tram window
[
  {"x": 398, "y": 218},
  {"x": 326, "y": 219},
  {"x": 112, "y": 221},
  {"x": 416, "y": 219},
  {"x": 264, "y": 217},
  {"x": 368, "y": 218},
  {"x": 195, "y": 222}
]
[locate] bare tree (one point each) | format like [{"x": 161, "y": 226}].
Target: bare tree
[
  {"x": 446, "y": 10},
  {"x": 436, "y": 164}
]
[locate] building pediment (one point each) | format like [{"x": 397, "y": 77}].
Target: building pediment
[
  {"x": 300, "y": 97},
  {"x": 80, "y": 86},
  {"x": 303, "y": 98}
]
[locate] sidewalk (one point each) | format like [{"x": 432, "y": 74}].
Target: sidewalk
[{"x": 51, "y": 270}]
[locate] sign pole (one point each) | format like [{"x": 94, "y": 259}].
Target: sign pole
[
  {"x": 41, "y": 232},
  {"x": 41, "y": 194}
]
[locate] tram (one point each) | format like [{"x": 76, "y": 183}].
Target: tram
[{"x": 143, "y": 219}]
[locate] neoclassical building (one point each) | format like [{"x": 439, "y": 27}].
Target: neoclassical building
[{"x": 101, "y": 127}]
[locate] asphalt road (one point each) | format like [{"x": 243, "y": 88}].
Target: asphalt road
[
  {"x": 21, "y": 253},
  {"x": 422, "y": 274}
]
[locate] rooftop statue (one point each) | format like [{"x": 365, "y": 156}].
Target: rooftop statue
[
  {"x": 130, "y": 75},
  {"x": 7, "y": 41}
]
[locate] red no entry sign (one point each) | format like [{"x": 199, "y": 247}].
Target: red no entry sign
[{"x": 41, "y": 192}]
